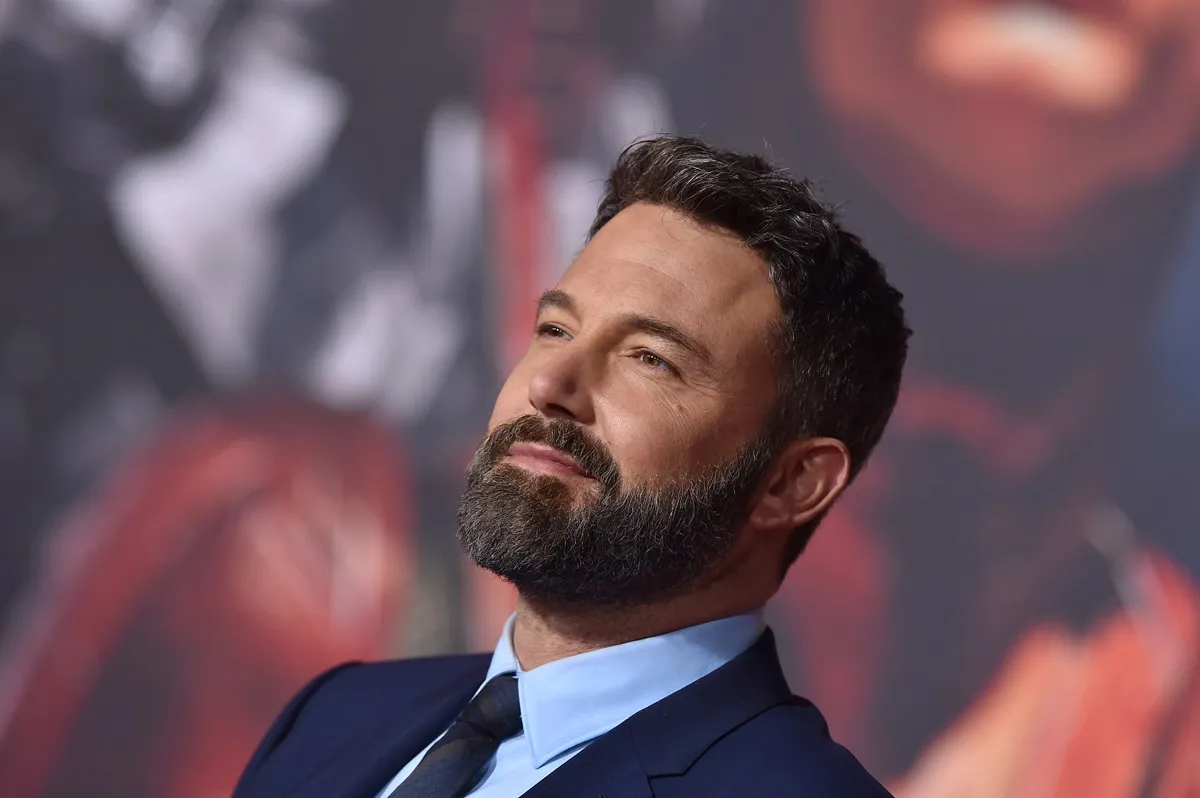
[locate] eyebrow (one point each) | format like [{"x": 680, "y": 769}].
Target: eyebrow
[
  {"x": 554, "y": 299},
  {"x": 560, "y": 300}
]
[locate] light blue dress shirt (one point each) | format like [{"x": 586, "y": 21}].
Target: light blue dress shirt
[{"x": 567, "y": 703}]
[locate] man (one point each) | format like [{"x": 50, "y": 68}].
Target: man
[{"x": 704, "y": 381}]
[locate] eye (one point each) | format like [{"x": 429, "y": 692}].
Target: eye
[
  {"x": 654, "y": 361},
  {"x": 551, "y": 330}
]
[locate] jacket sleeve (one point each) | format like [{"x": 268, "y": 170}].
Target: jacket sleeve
[{"x": 281, "y": 727}]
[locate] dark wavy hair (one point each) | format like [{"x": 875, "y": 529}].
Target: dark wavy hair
[{"x": 842, "y": 338}]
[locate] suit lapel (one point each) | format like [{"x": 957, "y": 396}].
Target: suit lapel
[
  {"x": 362, "y": 766},
  {"x": 609, "y": 767},
  {"x": 666, "y": 738},
  {"x": 672, "y": 734}
]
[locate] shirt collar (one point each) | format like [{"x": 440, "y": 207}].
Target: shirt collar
[{"x": 570, "y": 701}]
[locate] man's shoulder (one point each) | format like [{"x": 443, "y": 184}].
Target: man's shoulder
[
  {"x": 424, "y": 671},
  {"x": 358, "y": 690},
  {"x": 352, "y": 701},
  {"x": 783, "y": 751}
]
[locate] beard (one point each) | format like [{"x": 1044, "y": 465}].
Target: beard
[{"x": 628, "y": 546}]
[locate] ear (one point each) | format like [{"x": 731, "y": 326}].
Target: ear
[{"x": 806, "y": 478}]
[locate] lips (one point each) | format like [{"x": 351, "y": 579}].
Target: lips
[{"x": 544, "y": 459}]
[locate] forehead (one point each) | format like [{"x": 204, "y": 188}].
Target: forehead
[{"x": 655, "y": 261}]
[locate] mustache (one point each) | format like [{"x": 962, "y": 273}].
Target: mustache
[{"x": 592, "y": 456}]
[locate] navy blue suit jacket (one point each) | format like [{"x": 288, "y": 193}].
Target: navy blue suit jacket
[{"x": 737, "y": 732}]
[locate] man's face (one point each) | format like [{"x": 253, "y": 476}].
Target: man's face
[
  {"x": 1025, "y": 111},
  {"x": 625, "y": 444}
]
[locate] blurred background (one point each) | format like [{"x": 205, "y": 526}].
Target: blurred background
[{"x": 264, "y": 263}]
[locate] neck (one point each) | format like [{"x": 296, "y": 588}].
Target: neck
[{"x": 545, "y": 632}]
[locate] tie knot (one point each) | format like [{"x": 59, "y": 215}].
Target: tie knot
[
  {"x": 453, "y": 765},
  {"x": 496, "y": 710}
]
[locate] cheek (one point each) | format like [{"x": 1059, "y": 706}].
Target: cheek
[
  {"x": 663, "y": 439},
  {"x": 655, "y": 442}
]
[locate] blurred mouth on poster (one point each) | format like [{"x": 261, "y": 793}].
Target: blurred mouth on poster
[{"x": 1087, "y": 56}]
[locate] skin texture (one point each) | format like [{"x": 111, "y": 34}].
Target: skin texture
[{"x": 666, "y": 411}]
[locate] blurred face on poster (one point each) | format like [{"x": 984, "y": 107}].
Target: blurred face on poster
[{"x": 993, "y": 119}]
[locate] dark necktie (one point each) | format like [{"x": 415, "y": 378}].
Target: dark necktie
[{"x": 451, "y": 768}]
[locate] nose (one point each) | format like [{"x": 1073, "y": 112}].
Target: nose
[{"x": 560, "y": 387}]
